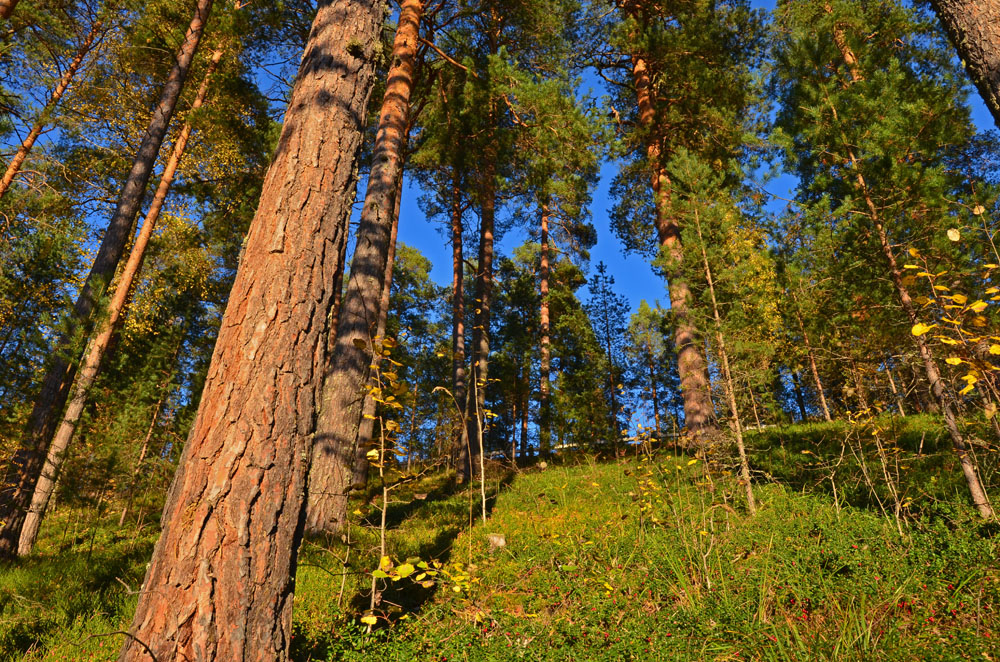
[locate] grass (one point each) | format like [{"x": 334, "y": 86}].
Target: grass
[{"x": 646, "y": 559}]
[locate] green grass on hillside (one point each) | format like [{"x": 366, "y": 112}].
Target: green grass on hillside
[{"x": 637, "y": 559}]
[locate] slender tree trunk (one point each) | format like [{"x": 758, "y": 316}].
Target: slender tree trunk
[
  {"x": 480, "y": 330},
  {"x": 411, "y": 442},
  {"x": 458, "y": 314},
  {"x": 727, "y": 376},
  {"x": 895, "y": 392},
  {"x": 800, "y": 398},
  {"x": 812, "y": 366},
  {"x": 691, "y": 365},
  {"x": 24, "y": 470},
  {"x": 525, "y": 448},
  {"x": 545, "y": 352},
  {"x": 655, "y": 394},
  {"x": 976, "y": 489},
  {"x": 221, "y": 580},
  {"x": 974, "y": 29},
  {"x": 344, "y": 389},
  {"x": 43, "y": 118},
  {"x": 94, "y": 357},
  {"x": 136, "y": 471}
]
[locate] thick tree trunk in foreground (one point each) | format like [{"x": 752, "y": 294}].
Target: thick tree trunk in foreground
[
  {"x": 7, "y": 8},
  {"x": 691, "y": 366},
  {"x": 50, "y": 105},
  {"x": 544, "y": 349},
  {"x": 221, "y": 580},
  {"x": 345, "y": 387},
  {"x": 91, "y": 365},
  {"x": 974, "y": 29},
  {"x": 24, "y": 470}
]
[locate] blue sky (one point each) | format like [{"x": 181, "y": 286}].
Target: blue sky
[{"x": 633, "y": 276}]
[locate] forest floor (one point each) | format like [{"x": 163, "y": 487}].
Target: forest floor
[{"x": 863, "y": 548}]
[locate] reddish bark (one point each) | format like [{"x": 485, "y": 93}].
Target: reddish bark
[
  {"x": 691, "y": 366},
  {"x": 974, "y": 29},
  {"x": 344, "y": 389},
  {"x": 7, "y": 8},
  {"x": 221, "y": 580},
  {"x": 50, "y": 105},
  {"x": 25, "y": 468},
  {"x": 544, "y": 350},
  {"x": 91, "y": 365}
]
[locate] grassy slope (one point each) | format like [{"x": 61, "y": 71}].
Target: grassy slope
[{"x": 603, "y": 561}]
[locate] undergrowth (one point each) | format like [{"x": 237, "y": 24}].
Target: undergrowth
[{"x": 645, "y": 558}]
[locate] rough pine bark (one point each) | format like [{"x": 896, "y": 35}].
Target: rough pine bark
[
  {"x": 344, "y": 389},
  {"x": 973, "y": 26},
  {"x": 691, "y": 365},
  {"x": 25, "y": 468},
  {"x": 91, "y": 364},
  {"x": 545, "y": 350},
  {"x": 7, "y": 8},
  {"x": 366, "y": 428},
  {"x": 221, "y": 580},
  {"x": 50, "y": 105}
]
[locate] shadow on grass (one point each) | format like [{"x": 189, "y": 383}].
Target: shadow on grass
[
  {"x": 48, "y": 592},
  {"x": 846, "y": 464}
]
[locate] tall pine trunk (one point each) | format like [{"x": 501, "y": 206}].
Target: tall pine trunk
[
  {"x": 50, "y": 105},
  {"x": 691, "y": 365},
  {"x": 221, "y": 580},
  {"x": 976, "y": 489},
  {"x": 345, "y": 386},
  {"x": 91, "y": 365},
  {"x": 476, "y": 398},
  {"x": 458, "y": 376},
  {"x": 366, "y": 429},
  {"x": 545, "y": 350},
  {"x": 25, "y": 468},
  {"x": 974, "y": 29}
]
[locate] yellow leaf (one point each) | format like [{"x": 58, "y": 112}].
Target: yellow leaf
[
  {"x": 946, "y": 340},
  {"x": 914, "y": 252},
  {"x": 911, "y": 266},
  {"x": 405, "y": 570},
  {"x": 965, "y": 390},
  {"x": 924, "y": 274},
  {"x": 991, "y": 410},
  {"x": 994, "y": 349},
  {"x": 970, "y": 378},
  {"x": 954, "y": 234},
  {"x": 385, "y": 563},
  {"x": 978, "y": 306},
  {"x": 920, "y": 328},
  {"x": 369, "y": 620},
  {"x": 954, "y": 360},
  {"x": 690, "y": 462},
  {"x": 993, "y": 290},
  {"x": 941, "y": 288},
  {"x": 372, "y": 454},
  {"x": 978, "y": 210},
  {"x": 960, "y": 299}
]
